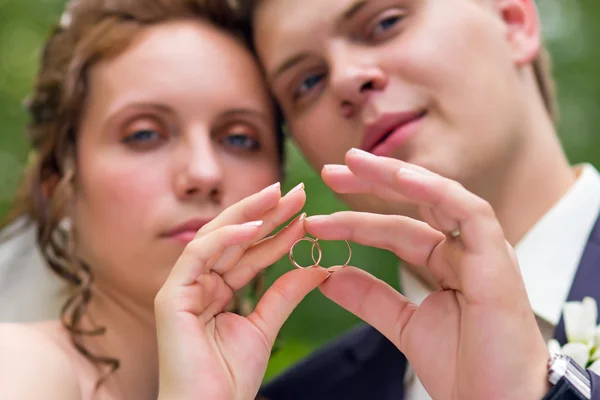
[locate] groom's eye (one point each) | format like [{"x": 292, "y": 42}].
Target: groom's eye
[
  {"x": 306, "y": 85},
  {"x": 385, "y": 25}
]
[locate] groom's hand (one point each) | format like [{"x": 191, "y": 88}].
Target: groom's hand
[{"x": 477, "y": 338}]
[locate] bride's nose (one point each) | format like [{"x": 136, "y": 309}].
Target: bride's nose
[{"x": 199, "y": 170}]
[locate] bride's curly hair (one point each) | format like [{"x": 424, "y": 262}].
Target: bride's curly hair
[{"x": 89, "y": 31}]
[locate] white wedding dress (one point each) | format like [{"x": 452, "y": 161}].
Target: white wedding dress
[{"x": 29, "y": 290}]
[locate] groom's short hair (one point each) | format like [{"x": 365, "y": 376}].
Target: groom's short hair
[
  {"x": 542, "y": 68},
  {"x": 542, "y": 64}
]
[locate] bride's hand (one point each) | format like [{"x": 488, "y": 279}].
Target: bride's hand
[
  {"x": 477, "y": 337},
  {"x": 205, "y": 352}
]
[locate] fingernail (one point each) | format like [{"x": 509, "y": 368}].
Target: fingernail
[
  {"x": 273, "y": 186},
  {"x": 297, "y": 219},
  {"x": 360, "y": 152},
  {"x": 335, "y": 167},
  {"x": 296, "y": 188},
  {"x": 253, "y": 223},
  {"x": 409, "y": 172},
  {"x": 316, "y": 218}
]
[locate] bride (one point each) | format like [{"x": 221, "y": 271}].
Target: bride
[{"x": 148, "y": 122}]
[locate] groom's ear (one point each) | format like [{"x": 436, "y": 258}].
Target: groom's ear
[{"x": 523, "y": 31}]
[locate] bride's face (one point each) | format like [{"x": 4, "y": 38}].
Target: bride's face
[{"x": 175, "y": 129}]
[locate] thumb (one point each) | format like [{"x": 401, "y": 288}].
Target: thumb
[
  {"x": 282, "y": 297},
  {"x": 370, "y": 299}
]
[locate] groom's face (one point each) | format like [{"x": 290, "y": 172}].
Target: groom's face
[{"x": 433, "y": 82}]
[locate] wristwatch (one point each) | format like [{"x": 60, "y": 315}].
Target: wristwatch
[{"x": 569, "y": 380}]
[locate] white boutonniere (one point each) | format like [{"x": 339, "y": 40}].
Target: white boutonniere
[{"x": 583, "y": 335}]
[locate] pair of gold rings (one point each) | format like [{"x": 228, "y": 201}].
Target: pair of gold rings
[{"x": 315, "y": 243}]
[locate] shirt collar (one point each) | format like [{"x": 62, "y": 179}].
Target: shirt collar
[{"x": 549, "y": 253}]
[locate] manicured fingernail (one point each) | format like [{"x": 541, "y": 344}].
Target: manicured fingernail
[
  {"x": 335, "y": 168},
  {"x": 297, "y": 219},
  {"x": 296, "y": 188},
  {"x": 314, "y": 218},
  {"x": 360, "y": 152},
  {"x": 273, "y": 186},
  {"x": 253, "y": 223},
  {"x": 409, "y": 172}
]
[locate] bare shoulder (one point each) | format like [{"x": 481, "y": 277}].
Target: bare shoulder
[{"x": 33, "y": 366}]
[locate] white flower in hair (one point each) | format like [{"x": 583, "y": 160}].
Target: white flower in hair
[
  {"x": 65, "y": 19},
  {"x": 583, "y": 335}
]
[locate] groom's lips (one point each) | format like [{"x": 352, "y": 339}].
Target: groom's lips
[{"x": 391, "y": 131}]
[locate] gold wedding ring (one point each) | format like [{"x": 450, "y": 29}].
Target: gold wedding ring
[{"x": 315, "y": 243}]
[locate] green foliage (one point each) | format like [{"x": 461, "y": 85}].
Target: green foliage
[{"x": 570, "y": 29}]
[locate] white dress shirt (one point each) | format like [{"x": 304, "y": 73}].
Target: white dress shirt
[
  {"x": 548, "y": 255},
  {"x": 29, "y": 290}
]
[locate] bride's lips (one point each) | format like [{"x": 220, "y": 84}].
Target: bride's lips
[
  {"x": 391, "y": 131},
  {"x": 186, "y": 232}
]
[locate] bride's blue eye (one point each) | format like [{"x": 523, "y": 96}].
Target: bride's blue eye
[
  {"x": 142, "y": 136},
  {"x": 307, "y": 85},
  {"x": 145, "y": 132},
  {"x": 242, "y": 141}
]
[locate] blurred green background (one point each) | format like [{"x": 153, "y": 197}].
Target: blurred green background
[{"x": 571, "y": 31}]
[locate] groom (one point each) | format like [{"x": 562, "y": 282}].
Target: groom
[{"x": 461, "y": 87}]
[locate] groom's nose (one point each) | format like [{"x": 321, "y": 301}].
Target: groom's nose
[{"x": 354, "y": 78}]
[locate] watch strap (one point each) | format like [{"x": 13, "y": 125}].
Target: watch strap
[{"x": 570, "y": 381}]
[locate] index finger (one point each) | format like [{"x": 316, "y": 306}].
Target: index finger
[
  {"x": 411, "y": 240},
  {"x": 342, "y": 180},
  {"x": 473, "y": 217},
  {"x": 267, "y": 205},
  {"x": 249, "y": 209},
  {"x": 380, "y": 170}
]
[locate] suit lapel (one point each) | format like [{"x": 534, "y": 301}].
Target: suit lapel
[
  {"x": 587, "y": 277},
  {"x": 371, "y": 361},
  {"x": 360, "y": 365}
]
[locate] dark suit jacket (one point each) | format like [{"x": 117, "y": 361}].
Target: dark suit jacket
[{"x": 364, "y": 365}]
